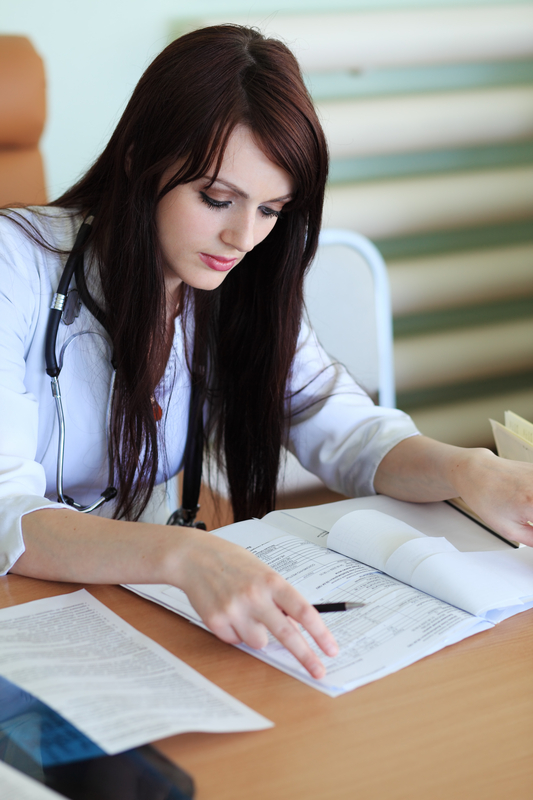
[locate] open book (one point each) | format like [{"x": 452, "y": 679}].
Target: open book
[{"x": 421, "y": 592}]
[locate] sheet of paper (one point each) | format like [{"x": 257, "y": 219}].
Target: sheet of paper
[
  {"x": 371, "y": 536},
  {"x": 491, "y": 585},
  {"x": 483, "y": 583},
  {"x": 397, "y": 626},
  {"x": 31, "y": 727},
  {"x": 433, "y": 519},
  {"x": 113, "y": 683},
  {"x": 519, "y": 425},
  {"x": 511, "y": 445},
  {"x": 289, "y": 523},
  {"x": 14, "y": 785}
]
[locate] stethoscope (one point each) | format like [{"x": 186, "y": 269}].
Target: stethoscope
[{"x": 66, "y": 305}]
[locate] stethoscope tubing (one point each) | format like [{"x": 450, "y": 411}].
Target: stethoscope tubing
[
  {"x": 53, "y": 368},
  {"x": 61, "y": 496},
  {"x": 58, "y": 301},
  {"x": 186, "y": 514}
]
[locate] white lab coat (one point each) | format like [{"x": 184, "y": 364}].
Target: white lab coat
[{"x": 342, "y": 438}]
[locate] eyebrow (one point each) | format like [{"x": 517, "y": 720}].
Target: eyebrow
[{"x": 244, "y": 195}]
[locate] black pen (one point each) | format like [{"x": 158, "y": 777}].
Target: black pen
[{"x": 323, "y": 608}]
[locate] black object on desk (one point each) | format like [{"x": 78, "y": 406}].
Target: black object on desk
[
  {"x": 38, "y": 741},
  {"x": 349, "y": 605}
]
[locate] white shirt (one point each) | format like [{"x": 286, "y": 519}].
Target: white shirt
[{"x": 341, "y": 437}]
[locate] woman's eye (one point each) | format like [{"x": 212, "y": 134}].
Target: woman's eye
[
  {"x": 214, "y": 203},
  {"x": 269, "y": 212}
]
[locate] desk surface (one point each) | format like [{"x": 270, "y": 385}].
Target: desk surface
[{"x": 458, "y": 724}]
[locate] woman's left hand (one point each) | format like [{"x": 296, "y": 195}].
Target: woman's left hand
[
  {"x": 500, "y": 491},
  {"x": 422, "y": 470}
]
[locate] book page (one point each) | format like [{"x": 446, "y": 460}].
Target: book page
[
  {"x": 481, "y": 583},
  {"x": 116, "y": 685},
  {"x": 397, "y": 626},
  {"x": 491, "y": 585},
  {"x": 433, "y": 519},
  {"x": 373, "y": 537},
  {"x": 290, "y": 523}
]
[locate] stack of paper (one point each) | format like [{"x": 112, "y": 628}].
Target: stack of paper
[
  {"x": 117, "y": 686},
  {"x": 514, "y": 440}
]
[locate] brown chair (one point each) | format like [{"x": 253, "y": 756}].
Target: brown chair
[{"x": 22, "y": 116}]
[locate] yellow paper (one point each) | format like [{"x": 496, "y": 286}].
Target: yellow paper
[
  {"x": 520, "y": 426},
  {"x": 510, "y": 444}
]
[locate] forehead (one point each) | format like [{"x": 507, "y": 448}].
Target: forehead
[{"x": 248, "y": 167}]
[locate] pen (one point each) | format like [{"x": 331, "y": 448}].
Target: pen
[{"x": 325, "y": 607}]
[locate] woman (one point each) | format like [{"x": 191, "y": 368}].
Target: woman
[{"x": 207, "y": 206}]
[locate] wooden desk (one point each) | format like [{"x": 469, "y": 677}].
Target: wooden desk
[{"x": 458, "y": 724}]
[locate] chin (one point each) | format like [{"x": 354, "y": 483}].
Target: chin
[{"x": 206, "y": 282}]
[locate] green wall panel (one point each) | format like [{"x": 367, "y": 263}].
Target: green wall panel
[
  {"x": 462, "y": 239},
  {"x": 409, "y": 80},
  {"x": 454, "y": 393},
  {"x": 426, "y": 162},
  {"x": 464, "y": 317}
]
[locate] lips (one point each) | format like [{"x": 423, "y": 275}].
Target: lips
[{"x": 218, "y": 263}]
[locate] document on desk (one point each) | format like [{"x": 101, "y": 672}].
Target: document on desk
[
  {"x": 117, "y": 686},
  {"x": 433, "y": 595}
]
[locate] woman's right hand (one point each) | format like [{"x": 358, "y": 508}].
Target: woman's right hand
[
  {"x": 241, "y": 599},
  {"x": 237, "y": 596}
]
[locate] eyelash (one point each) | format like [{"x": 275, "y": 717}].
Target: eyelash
[{"x": 218, "y": 205}]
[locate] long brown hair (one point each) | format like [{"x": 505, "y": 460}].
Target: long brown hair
[{"x": 183, "y": 111}]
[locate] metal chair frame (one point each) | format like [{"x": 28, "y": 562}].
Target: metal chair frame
[{"x": 382, "y": 305}]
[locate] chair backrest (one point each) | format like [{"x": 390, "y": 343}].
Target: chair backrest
[
  {"x": 22, "y": 116},
  {"x": 348, "y": 303}
]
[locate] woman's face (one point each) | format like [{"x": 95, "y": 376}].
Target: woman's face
[{"x": 204, "y": 231}]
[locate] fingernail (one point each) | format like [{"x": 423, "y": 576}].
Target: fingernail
[
  {"x": 332, "y": 649},
  {"x": 317, "y": 671}
]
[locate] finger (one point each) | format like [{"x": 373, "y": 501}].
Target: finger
[
  {"x": 522, "y": 533},
  {"x": 286, "y": 599},
  {"x": 236, "y": 627},
  {"x": 221, "y": 626},
  {"x": 252, "y": 630},
  {"x": 254, "y": 634},
  {"x": 289, "y": 635},
  {"x": 297, "y": 607}
]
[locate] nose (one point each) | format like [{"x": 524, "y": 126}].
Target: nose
[{"x": 239, "y": 233}]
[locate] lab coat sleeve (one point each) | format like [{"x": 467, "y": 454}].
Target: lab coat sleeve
[
  {"x": 22, "y": 479},
  {"x": 336, "y": 431}
]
